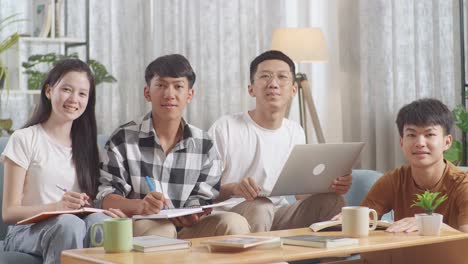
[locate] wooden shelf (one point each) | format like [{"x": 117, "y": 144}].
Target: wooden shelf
[
  {"x": 13, "y": 92},
  {"x": 54, "y": 40}
]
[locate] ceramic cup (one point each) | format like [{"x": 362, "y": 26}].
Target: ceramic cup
[
  {"x": 117, "y": 235},
  {"x": 355, "y": 221}
]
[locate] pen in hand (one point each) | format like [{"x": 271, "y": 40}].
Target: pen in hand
[
  {"x": 153, "y": 189},
  {"x": 65, "y": 190},
  {"x": 61, "y": 188}
]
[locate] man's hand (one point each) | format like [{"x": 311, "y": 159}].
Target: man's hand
[
  {"x": 342, "y": 184},
  {"x": 336, "y": 217},
  {"x": 153, "y": 203},
  {"x": 189, "y": 220},
  {"x": 407, "y": 225},
  {"x": 247, "y": 188}
]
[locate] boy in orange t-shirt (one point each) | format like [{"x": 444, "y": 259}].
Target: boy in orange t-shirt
[{"x": 424, "y": 126}]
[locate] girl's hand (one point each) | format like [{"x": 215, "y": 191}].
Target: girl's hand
[{"x": 73, "y": 200}]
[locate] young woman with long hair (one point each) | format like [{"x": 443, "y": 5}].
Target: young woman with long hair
[{"x": 52, "y": 164}]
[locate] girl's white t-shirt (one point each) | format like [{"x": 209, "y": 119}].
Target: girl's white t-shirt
[{"x": 46, "y": 162}]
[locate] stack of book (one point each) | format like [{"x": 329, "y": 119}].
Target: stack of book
[
  {"x": 242, "y": 242},
  {"x": 158, "y": 243},
  {"x": 319, "y": 241}
]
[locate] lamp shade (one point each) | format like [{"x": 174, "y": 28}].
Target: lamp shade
[{"x": 301, "y": 44}]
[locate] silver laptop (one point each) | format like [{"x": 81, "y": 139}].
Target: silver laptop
[{"x": 312, "y": 168}]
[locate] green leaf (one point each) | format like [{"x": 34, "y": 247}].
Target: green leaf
[
  {"x": 454, "y": 153},
  {"x": 460, "y": 117},
  {"x": 8, "y": 42},
  {"x": 428, "y": 202},
  {"x": 5, "y": 126},
  {"x": 36, "y": 75}
]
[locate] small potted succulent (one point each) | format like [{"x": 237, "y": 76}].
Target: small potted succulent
[{"x": 429, "y": 223}]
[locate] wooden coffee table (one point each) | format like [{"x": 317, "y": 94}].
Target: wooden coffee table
[{"x": 379, "y": 247}]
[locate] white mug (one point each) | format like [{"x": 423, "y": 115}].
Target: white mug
[{"x": 355, "y": 221}]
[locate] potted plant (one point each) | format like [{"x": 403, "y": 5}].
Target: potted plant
[
  {"x": 36, "y": 75},
  {"x": 429, "y": 223},
  {"x": 6, "y": 44}
]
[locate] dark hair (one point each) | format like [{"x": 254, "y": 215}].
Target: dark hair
[
  {"x": 271, "y": 55},
  {"x": 425, "y": 112},
  {"x": 85, "y": 152},
  {"x": 174, "y": 65}
]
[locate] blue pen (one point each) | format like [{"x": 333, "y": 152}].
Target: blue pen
[
  {"x": 153, "y": 189},
  {"x": 150, "y": 184}
]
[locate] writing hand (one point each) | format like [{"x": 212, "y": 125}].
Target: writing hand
[
  {"x": 342, "y": 184},
  {"x": 73, "y": 200},
  {"x": 247, "y": 188},
  {"x": 153, "y": 203}
]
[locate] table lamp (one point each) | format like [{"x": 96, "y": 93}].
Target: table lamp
[{"x": 303, "y": 45}]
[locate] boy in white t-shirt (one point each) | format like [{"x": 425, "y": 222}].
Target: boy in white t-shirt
[{"x": 255, "y": 145}]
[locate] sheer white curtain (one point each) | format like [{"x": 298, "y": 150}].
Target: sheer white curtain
[
  {"x": 219, "y": 38},
  {"x": 121, "y": 38},
  {"x": 391, "y": 53}
]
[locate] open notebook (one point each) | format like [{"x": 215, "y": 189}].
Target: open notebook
[
  {"x": 44, "y": 215},
  {"x": 176, "y": 212}
]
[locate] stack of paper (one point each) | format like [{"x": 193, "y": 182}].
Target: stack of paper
[
  {"x": 176, "y": 212},
  {"x": 170, "y": 213}
]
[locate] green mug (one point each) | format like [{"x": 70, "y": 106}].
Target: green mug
[{"x": 117, "y": 235}]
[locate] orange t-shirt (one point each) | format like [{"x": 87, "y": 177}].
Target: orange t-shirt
[{"x": 397, "y": 190}]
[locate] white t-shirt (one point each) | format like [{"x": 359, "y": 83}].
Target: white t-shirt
[
  {"x": 249, "y": 150},
  {"x": 46, "y": 163}
]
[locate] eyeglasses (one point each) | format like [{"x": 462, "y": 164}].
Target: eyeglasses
[{"x": 283, "y": 78}]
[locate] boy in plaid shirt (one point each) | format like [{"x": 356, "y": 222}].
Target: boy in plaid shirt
[{"x": 179, "y": 158}]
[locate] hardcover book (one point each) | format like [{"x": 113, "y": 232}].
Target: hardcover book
[
  {"x": 42, "y": 17},
  {"x": 243, "y": 242},
  {"x": 319, "y": 241},
  {"x": 158, "y": 243}
]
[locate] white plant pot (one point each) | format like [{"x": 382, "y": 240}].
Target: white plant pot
[{"x": 429, "y": 225}]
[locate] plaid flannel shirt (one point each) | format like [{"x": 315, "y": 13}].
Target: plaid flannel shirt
[{"x": 189, "y": 175}]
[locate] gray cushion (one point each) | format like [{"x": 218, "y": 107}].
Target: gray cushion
[
  {"x": 3, "y": 227},
  {"x": 362, "y": 181},
  {"x": 18, "y": 258}
]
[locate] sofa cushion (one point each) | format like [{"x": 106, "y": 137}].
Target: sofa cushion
[
  {"x": 18, "y": 258},
  {"x": 3, "y": 227},
  {"x": 362, "y": 182}
]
